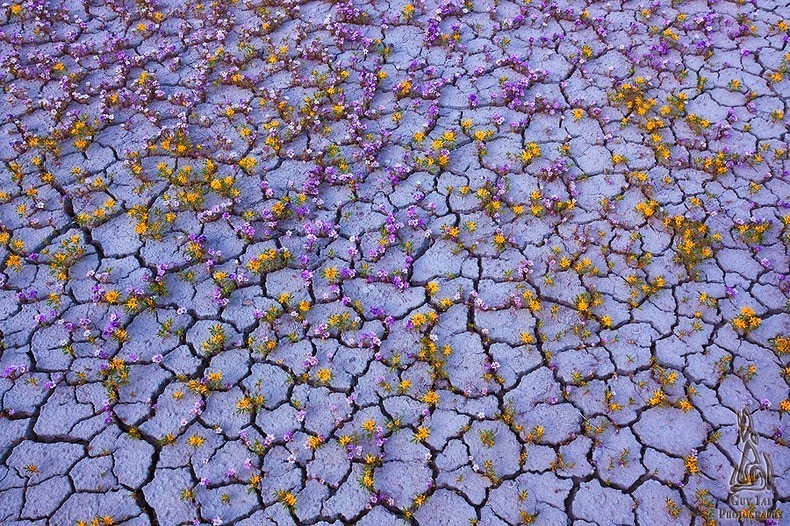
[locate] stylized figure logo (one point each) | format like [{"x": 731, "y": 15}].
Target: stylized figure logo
[{"x": 754, "y": 471}]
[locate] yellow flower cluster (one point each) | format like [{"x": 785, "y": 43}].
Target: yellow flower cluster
[
  {"x": 269, "y": 261},
  {"x": 633, "y": 96},
  {"x": 694, "y": 242},
  {"x": 746, "y": 321},
  {"x": 530, "y": 153},
  {"x": 286, "y": 498}
]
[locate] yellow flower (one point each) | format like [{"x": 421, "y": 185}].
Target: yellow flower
[
  {"x": 14, "y": 261},
  {"x": 658, "y": 398},
  {"x": 432, "y": 288},
  {"x": 746, "y": 321},
  {"x": 422, "y": 433},
  {"x": 111, "y": 296},
  {"x": 431, "y": 397},
  {"x": 244, "y": 404},
  {"x": 314, "y": 442},
  {"x": 647, "y": 208},
  {"x": 536, "y": 434},
  {"x": 419, "y": 500},
  {"x": 781, "y": 345},
  {"x": 324, "y": 374},
  {"x": 685, "y": 405},
  {"x": 527, "y": 339},
  {"x": 331, "y": 274},
  {"x": 582, "y": 305},
  {"x": 196, "y": 440},
  {"x": 404, "y": 88},
  {"x": 247, "y": 163},
  {"x": 286, "y": 498},
  {"x": 369, "y": 425},
  {"x": 692, "y": 464},
  {"x": 531, "y": 152}
]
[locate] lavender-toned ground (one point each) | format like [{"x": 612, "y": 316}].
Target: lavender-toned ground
[{"x": 342, "y": 262}]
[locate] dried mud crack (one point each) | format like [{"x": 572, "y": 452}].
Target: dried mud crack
[{"x": 377, "y": 263}]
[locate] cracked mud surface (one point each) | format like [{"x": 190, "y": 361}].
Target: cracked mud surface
[{"x": 373, "y": 263}]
